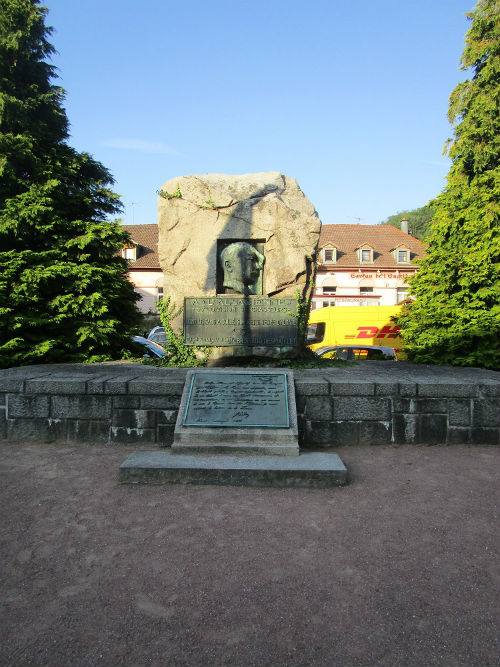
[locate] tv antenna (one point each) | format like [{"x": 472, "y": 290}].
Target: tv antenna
[
  {"x": 353, "y": 217},
  {"x": 132, "y": 204}
]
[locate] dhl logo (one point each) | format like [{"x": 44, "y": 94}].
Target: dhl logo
[{"x": 374, "y": 332}]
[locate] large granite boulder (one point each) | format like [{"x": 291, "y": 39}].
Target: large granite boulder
[{"x": 197, "y": 215}]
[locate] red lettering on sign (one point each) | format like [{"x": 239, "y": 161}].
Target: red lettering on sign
[
  {"x": 389, "y": 332},
  {"x": 374, "y": 332},
  {"x": 367, "y": 332}
]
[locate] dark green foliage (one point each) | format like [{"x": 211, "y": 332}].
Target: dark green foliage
[
  {"x": 419, "y": 221},
  {"x": 64, "y": 295},
  {"x": 456, "y": 317}
]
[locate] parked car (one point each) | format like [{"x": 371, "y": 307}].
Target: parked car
[
  {"x": 158, "y": 335},
  {"x": 357, "y": 353},
  {"x": 149, "y": 347}
]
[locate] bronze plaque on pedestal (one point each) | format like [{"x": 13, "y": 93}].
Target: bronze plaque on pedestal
[{"x": 227, "y": 398}]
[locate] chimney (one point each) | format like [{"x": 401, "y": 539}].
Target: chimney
[{"x": 404, "y": 225}]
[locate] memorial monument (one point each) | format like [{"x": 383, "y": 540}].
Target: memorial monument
[{"x": 234, "y": 251}]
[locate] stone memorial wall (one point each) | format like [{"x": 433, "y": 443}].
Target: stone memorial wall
[{"x": 371, "y": 404}]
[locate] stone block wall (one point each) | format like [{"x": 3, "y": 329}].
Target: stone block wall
[
  {"x": 332, "y": 410},
  {"x": 333, "y": 413},
  {"x": 115, "y": 410}
]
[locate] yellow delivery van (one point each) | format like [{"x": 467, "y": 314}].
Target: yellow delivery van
[{"x": 354, "y": 325}]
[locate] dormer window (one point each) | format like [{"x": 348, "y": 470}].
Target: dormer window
[
  {"x": 402, "y": 254},
  {"x": 365, "y": 254},
  {"x": 129, "y": 252},
  {"x": 329, "y": 255}
]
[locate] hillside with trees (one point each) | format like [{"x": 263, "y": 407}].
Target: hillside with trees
[
  {"x": 456, "y": 316},
  {"x": 64, "y": 295},
  {"x": 419, "y": 221}
]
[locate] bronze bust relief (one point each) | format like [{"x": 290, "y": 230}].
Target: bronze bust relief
[{"x": 242, "y": 264}]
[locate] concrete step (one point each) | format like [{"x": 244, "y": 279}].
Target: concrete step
[{"x": 308, "y": 470}]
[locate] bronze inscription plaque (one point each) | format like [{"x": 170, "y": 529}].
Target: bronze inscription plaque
[
  {"x": 237, "y": 399},
  {"x": 252, "y": 321}
]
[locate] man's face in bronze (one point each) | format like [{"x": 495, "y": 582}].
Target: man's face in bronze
[{"x": 242, "y": 264}]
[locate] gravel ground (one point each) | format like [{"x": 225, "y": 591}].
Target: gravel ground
[{"x": 400, "y": 568}]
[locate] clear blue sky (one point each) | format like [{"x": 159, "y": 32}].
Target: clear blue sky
[{"x": 348, "y": 97}]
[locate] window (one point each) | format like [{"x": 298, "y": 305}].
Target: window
[
  {"x": 316, "y": 332},
  {"x": 159, "y": 296},
  {"x": 366, "y": 291},
  {"x": 329, "y": 255},
  {"x": 329, "y": 290},
  {"x": 129, "y": 253},
  {"x": 328, "y": 303},
  {"x": 401, "y": 254},
  {"x": 403, "y": 294},
  {"x": 365, "y": 255}
]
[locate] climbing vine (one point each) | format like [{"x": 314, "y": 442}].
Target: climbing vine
[
  {"x": 166, "y": 195},
  {"x": 177, "y": 353}
]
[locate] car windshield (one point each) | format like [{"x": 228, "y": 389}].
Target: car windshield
[
  {"x": 359, "y": 353},
  {"x": 158, "y": 335},
  {"x": 370, "y": 354},
  {"x": 149, "y": 347}
]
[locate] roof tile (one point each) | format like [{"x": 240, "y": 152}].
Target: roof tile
[
  {"x": 346, "y": 238},
  {"x": 146, "y": 236},
  {"x": 383, "y": 238}
]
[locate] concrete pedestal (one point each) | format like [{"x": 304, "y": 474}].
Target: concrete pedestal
[
  {"x": 309, "y": 470},
  {"x": 234, "y": 439}
]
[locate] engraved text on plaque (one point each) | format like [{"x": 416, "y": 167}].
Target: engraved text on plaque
[
  {"x": 237, "y": 399},
  {"x": 252, "y": 321}
]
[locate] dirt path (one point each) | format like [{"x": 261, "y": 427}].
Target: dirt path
[{"x": 401, "y": 568}]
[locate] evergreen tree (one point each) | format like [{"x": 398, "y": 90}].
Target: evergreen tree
[
  {"x": 456, "y": 316},
  {"x": 419, "y": 221},
  {"x": 64, "y": 295}
]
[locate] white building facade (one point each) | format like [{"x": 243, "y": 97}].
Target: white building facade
[{"x": 365, "y": 265}]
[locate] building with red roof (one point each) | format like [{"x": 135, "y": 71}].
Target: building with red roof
[
  {"x": 357, "y": 265},
  {"x": 144, "y": 269},
  {"x": 365, "y": 265}
]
